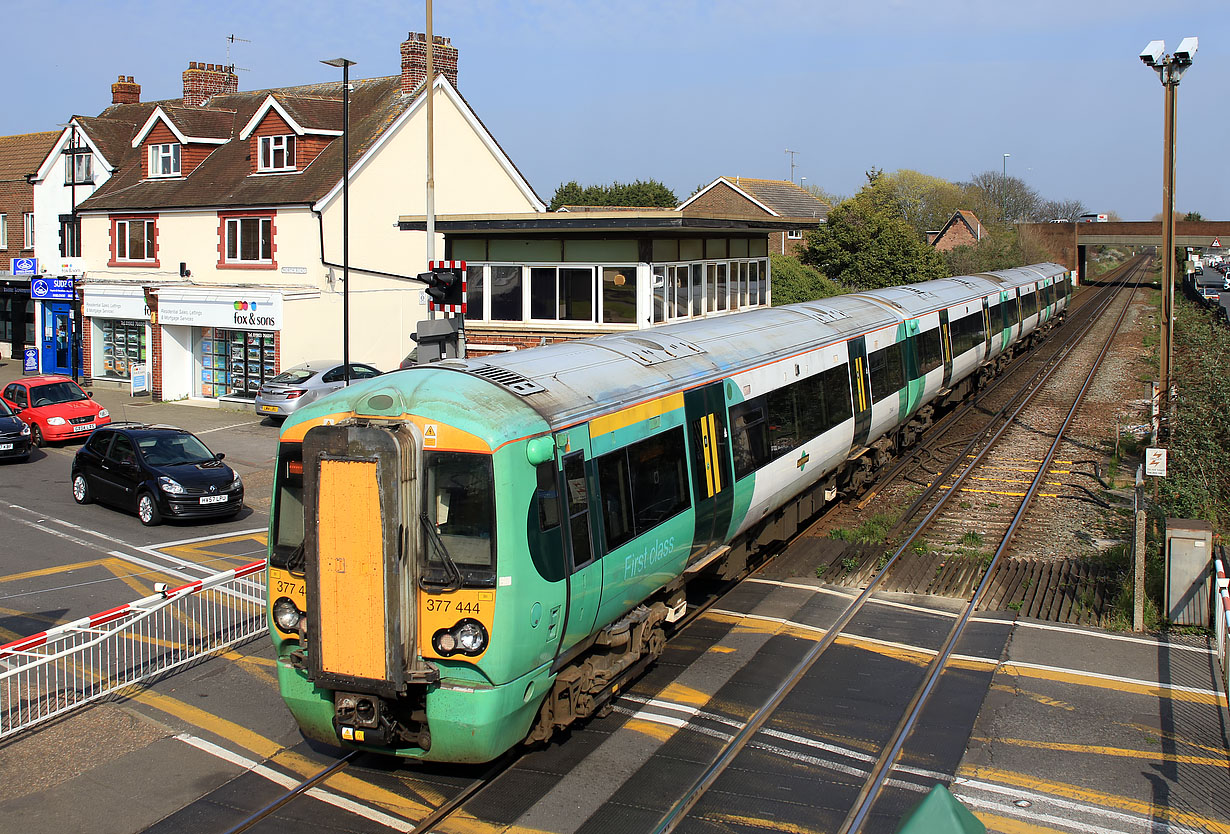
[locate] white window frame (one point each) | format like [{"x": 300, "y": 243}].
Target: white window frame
[
  {"x": 79, "y": 169},
  {"x": 4, "y": 231},
  {"x": 122, "y": 232},
  {"x": 164, "y": 160},
  {"x": 28, "y": 217},
  {"x": 234, "y": 231},
  {"x": 270, "y": 147},
  {"x": 794, "y": 234}
]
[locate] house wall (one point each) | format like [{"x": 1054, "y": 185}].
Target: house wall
[
  {"x": 53, "y": 198},
  {"x": 958, "y": 234}
]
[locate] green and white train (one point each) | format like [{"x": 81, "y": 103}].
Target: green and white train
[{"x": 471, "y": 554}]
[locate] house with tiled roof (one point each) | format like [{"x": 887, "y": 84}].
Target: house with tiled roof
[
  {"x": 746, "y": 196},
  {"x": 19, "y": 157},
  {"x": 962, "y": 229},
  {"x": 213, "y": 250}
]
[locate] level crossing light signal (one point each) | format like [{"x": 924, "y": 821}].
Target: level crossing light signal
[{"x": 446, "y": 286}]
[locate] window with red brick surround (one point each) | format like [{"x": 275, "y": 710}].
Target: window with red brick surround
[
  {"x": 247, "y": 240},
  {"x": 134, "y": 240}
]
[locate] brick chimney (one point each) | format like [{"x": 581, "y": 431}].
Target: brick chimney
[
  {"x": 414, "y": 60},
  {"x": 204, "y": 80},
  {"x": 125, "y": 91}
]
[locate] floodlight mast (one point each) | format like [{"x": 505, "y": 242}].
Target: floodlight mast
[{"x": 1169, "y": 69}]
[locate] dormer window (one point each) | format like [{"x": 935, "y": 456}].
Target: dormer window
[
  {"x": 79, "y": 169},
  {"x": 164, "y": 160},
  {"x": 277, "y": 153}
]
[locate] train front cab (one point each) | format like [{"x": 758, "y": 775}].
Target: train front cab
[{"x": 387, "y": 552}]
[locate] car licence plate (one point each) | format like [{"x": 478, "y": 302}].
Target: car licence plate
[
  {"x": 213, "y": 499},
  {"x": 4, "y": 447},
  {"x": 84, "y": 427},
  {"x": 270, "y": 408}
]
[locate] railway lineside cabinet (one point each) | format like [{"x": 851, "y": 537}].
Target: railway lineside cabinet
[{"x": 1189, "y": 549}]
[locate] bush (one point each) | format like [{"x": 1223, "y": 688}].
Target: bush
[{"x": 794, "y": 282}]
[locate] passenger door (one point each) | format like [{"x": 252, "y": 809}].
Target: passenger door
[
  {"x": 584, "y": 566},
  {"x": 119, "y": 473},
  {"x": 860, "y": 386},
  {"x": 709, "y": 450}
]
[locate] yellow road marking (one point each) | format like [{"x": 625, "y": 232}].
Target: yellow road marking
[
  {"x": 1171, "y": 737},
  {"x": 1007, "y": 825},
  {"x": 684, "y": 695},
  {"x": 294, "y": 762},
  {"x": 743, "y": 821},
  {"x": 653, "y": 729},
  {"x": 1156, "y": 813},
  {"x": 1115, "y": 752},
  {"x": 34, "y": 574}
]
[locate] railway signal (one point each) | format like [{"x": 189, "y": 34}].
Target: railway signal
[
  {"x": 446, "y": 287},
  {"x": 446, "y": 293}
]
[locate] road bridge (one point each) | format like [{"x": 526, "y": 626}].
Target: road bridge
[{"x": 1068, "y": 242}]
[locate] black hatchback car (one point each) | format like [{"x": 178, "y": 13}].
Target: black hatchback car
[
  {"x": 14, "y": 435},
  {"x": 157, "y": 471}
]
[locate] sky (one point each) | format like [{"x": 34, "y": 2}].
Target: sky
[{"x": 684, "y": 91}]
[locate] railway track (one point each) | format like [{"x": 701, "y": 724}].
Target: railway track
[
  {"x": 951, "y": 556},
  {"x": 1004, "y": 430}
]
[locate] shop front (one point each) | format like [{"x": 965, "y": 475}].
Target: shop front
[
  {"x": 218, "y": 343},
  {"x": 117, "y": 321},
  {"x": 17, "y": 329}
]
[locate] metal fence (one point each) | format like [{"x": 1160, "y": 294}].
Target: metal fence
[
  {"x": 1221, "y": 616},
  {"x": 49, "y": 674}
]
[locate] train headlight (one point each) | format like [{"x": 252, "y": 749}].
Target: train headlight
[
  {"x": 467, "y": 637},
  {"x": 286, "y": 615}
]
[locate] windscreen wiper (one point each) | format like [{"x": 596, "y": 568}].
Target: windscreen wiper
[{"x": 450, "y": 566}]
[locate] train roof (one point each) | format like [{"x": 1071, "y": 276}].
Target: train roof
[{"x": 571, "y": 382}]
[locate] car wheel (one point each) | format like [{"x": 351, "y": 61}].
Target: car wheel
[
  {"x": 36, "y": 436},
  {"x": 147, "y": 510},
  {"x": 81, "y": 489}
]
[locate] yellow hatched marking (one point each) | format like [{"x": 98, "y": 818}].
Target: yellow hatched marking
[
  {"x": 34, "y": 574},
  {"x": 636, "y": 414},
  {"x": 653, "y": 729},
  {"x": 1105, "y": 800},
  {"x": 685, "y": 695},
  {"x": 737, "y": 821},
  {"x": 1116, "y": 752},
  {"x": 272, "y": 751}
]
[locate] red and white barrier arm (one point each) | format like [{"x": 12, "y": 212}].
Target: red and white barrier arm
[{"x": 141, "y": 606}]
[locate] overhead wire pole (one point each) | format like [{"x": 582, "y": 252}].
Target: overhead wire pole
[{"x": 345, "y": 64}]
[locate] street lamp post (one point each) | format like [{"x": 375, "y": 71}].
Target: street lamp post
[
  {"x": 1006, "y": 165},
  {"x": 1169, "y": 69},
  {"x": 345, "y": 64},
  {"x": 1003, "y": 190}
]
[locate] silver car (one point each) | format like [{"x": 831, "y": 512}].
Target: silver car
[{"x": 279, "y": 397}]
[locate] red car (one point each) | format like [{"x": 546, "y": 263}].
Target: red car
[{"x": 54, "y": 407}]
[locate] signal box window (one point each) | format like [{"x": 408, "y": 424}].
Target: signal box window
[{"x": 506, "y": 303}]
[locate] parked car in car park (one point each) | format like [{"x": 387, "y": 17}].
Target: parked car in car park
[
  {"x": 279, "y": 397},
  {"x": 54, "y": 407},
  {"x": 14, "y": 435},
  {"x": 158, "y": 472}
]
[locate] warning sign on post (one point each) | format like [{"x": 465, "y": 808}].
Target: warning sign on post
[
  {"x": 1155, "y": 462},
  {"x": 1216, "y": 242}
]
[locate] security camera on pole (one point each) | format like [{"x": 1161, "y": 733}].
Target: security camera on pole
[{"x": 446, "y": 293}]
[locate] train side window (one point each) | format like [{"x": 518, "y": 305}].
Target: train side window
[
  {"x": 613, "y": 483},
  {"x": 930, "y": 353},
  {"x": 887, "y": 371},
  {"x": 995, "y": 318},
  {"x": 838, "y": 407},
  {"x": 658, "y": 469},
  {"x": 783, "y": 423},
  {"x": 966, "y": 332},
  {"x": 749, "y": 433},
  {"x": 545, "y": 541},
  {"x": 578, "y": 510},
  {"x": 1012, "y": 312},
  {"x": 1029, "y": 305},
  {"x": 547, "y": 496}
]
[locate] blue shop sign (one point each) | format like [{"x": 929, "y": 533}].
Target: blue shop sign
[{"x": 52, "y": 289}]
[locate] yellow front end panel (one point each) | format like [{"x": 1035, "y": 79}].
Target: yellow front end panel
[{"x": 352, "y": 606}]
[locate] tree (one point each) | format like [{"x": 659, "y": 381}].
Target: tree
[
  {"x": 1069, "y": 210},
  {"x": 793, "y": 282},
  {"x": 863, "y": 248},
  {"x": 640, "y": 193},
  {"x": 1004, "y": 199},
  {"x": 1003, "y": 248},
  {"x": 1193, "y": 215},
  {"x": 923, "y": 201}
]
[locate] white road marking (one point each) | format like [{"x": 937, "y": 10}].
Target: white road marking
[
  {"x": 282, "y": 780},
  {"x": 234, "y": 426}
]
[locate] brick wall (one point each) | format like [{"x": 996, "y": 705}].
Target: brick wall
[
  {"x": 722, "y": 199},
  {"x": 307, "y": 148},
  {"x": 477, "y": 340},
  {"x": 204, "y": 80},
  {"x": 414, "y": 60},
  {"x": 16, "y": 198},
  {"x": 958, "y": 234}
]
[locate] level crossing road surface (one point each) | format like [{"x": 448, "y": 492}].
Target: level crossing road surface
[
  {"x": 60, "y": 561},
  {"x": 1039, "y": 728}
]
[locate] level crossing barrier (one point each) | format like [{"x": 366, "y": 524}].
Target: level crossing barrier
[
  {"x": 1221, "y": 616},
  {"x": 48, "y": 674}
]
